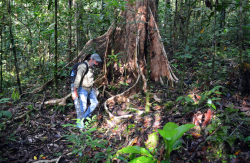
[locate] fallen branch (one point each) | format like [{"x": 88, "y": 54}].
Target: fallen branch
[
  {"x": 48, "y": 161},
  {"x": 237, "y": 127},
  {"x": 61, "y": 101}
]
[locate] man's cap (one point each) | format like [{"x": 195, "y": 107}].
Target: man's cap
[{"x": 96, "y": 57}]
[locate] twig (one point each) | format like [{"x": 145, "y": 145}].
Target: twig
[
  {"x": 202, "y": 142},
  {"x": 237, "y": 127}
]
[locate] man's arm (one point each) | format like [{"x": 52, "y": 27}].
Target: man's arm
[
  {"x": 74, "y": 94},
  {"x": 80, "y": 72}
]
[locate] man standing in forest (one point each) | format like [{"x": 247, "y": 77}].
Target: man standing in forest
[{"x": 83, "y": 85}]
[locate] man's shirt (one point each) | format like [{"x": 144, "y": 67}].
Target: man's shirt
[{"x": 88, "y": 79}]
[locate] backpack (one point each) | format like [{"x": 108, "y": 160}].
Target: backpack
[{"x": 73, "y": 72}]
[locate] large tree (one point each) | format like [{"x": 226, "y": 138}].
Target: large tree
[{"x": 137, "y": 40}]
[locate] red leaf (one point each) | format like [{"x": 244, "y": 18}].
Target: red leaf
[
  {"x": 197, "y": 118},
  {"x": 195, "y": 135},
  {"x": 208, "y": 116}
]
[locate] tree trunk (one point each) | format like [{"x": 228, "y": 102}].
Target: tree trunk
[
  {"x": 175, "y": 27},
  {"x": 1, "y": 61},
  {"x": 14, "y": 51},
  {"x": 214, "y": 42},
  {"x": 125, "y": 42},
  {"x": 55, "y": 58},
  {"x": 69, "y": 35}
]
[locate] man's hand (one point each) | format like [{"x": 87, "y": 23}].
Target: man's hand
[{"x": 74, "y": 94}]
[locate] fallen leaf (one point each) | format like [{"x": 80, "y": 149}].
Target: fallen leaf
[
  {"x": 202, "y": 30},
  {"x": 236, "y": 153},
  {"x": 197, "y": 118},
  {"x": 195, "y": 135},
  {"x": 208, "y": 116},
  {"x": 134, "y": 142}
]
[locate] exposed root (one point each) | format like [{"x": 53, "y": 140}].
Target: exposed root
[
  {"x": 124, "y": 97},
  {"x": 36, "y": 90},
  {"x": 61, "y": 101}
]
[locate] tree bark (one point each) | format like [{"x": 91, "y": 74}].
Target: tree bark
[
  {"x": 70, "y": 33},
  {"x": 55, "y": 57},
  {"x": 125, "y": 41},
  {"x": 14, "y": 51},
  {"x": 1, "y": 61}
]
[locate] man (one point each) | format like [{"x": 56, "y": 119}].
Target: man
[{"x": 84, "y": 89}]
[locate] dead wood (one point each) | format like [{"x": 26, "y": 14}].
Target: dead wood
[
  {"x": 56, "y": 160},
  {"x": 61, "y": 101}
]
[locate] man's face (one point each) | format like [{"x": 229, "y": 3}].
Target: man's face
[{"x": 94, "y": 63}]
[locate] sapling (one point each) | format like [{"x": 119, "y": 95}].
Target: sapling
[{"x": 171, "y": 133}]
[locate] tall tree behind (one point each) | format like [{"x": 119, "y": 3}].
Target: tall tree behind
[
  {"x": 69, "y": 35},
  {"x": 1, "y": 61},
  {"x": 14, "y": 50},
  {"x": 55, "y": 59},
  {"x": 76, "y": 28},
  {"x": 175, "y": 27},
  {"x": 240, "y": 37}
]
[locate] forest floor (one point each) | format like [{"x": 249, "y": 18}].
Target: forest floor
[{"x": 46, "y": 133}]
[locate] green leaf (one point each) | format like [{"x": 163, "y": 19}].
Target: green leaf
[
  {"x": 170, "y": 126},
  {"x": 1, "y": 126},
  {"x": 180, "y": 98},
  {"x": 181, "y": 130},
  {"x": 152, "y": 141},
  {"x": 165, "y": 161},
  {"x": 108, "y": 63},
  {"x": 143, "y": 159},
  {"x": 5, "y": 113},
  {"x": 135, "y": 149},
  {"x": 213, "y": 106},
  {"x": 4, "y": 100},
  {"x": 177, "y": 144},
  {"x": 216, "y": 88},
  {"x": 167, "y": 134},
  {"x": 247, "y": 139}
]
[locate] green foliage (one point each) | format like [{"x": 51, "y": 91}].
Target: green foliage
[
  {"x": 85, "y": 139},
  {"x": 148, "y": 104},
  {"x": 152, "y": 141},
  {"x": 114, "y": 58},
  {"x": 221, "y": 137},
  {"x": 60, "y": 108},
  {"x": 207, "y": 96},
  {"x": 171, "y": 133},
  {"x": 4, "y": 100},
  {"x": 145, "y": 158},
  {"x": 4, "y": 114},
  {"x": 124, "y": 84},
  {"x": 15, "y": 95}
]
